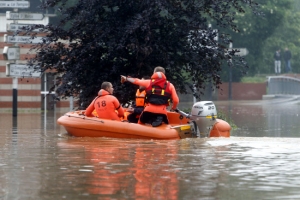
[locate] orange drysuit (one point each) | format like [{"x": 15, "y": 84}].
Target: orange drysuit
[
  {"x": 149, "y": 107},
  {"x": 107, "y": 106}
]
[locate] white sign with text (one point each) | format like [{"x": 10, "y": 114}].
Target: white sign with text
[
  {"x": 14, "y": 4},
  {"x": 22, "y": 39},
  {"x": 24, "y": 16},
  {"x": 21, "y": 70},
  {"x": 11, "y": 53},
  {"x": 18, "y": 27}
]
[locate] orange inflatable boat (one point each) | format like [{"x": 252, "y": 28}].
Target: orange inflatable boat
[{"x": 201, "y": 122}]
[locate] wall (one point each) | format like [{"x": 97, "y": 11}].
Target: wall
[{"x": 242, "y": 91}]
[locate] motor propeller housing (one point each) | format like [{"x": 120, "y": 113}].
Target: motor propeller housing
[{"x": 203, "y": 115}]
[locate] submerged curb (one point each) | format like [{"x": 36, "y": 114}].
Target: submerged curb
[{"x": 281, "y": 98}]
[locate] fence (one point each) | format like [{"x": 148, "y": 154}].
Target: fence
[{"x": 283, "y": 85}]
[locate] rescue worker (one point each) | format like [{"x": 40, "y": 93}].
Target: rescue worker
[
  {"x": 106, "y": 105},
  {"x": 139, "y": 104},
  {"x": 159, "y": 92}
]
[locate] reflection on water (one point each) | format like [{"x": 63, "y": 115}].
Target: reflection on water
[
  {"x": 274, "y": 118},
  {"x": 38, "y": 160},
  {"x": 124, "y": 168}
]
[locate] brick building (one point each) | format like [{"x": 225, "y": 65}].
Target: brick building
[{"x": 29, "y": 89}]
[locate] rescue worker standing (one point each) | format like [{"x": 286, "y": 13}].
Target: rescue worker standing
[
  {"x": 159, "y": 92},
  {"x": 139, "y": 106},
  {"x": 106, "y": 105}
]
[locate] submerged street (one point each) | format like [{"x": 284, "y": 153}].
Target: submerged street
[{"x": 260, "y": 160}]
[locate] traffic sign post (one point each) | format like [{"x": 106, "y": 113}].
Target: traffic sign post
[
  {"x": 21, "y": 70},
  {"x": 15, "y": 96},
  {"x": 17, "y": 70},
  {"x": 241, "y": 51},
  {"x": 14, "y": 4},
  {"x": 11, "y": 53},
  {"x": 24, "y": 16}
]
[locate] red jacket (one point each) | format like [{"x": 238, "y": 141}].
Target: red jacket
[{"x": 161, "y": 109}]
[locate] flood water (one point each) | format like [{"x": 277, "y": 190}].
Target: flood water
[{"x": 38, "y": 160}]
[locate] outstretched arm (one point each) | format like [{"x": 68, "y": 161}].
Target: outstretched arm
[
  {"x": 135, "y": 81},
  {"x": 174, "y": 97}
]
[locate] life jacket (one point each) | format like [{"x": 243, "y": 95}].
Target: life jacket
[
  {"x": 140, "y": 98},
  {"x": 158, "y": 92}
]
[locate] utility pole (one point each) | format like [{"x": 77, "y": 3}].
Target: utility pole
[{"x": 230, "y": 76}]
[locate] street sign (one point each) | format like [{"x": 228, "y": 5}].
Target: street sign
[
  {"x": 22, "y": 39},
  {"x": 11, "y": 53},
  {"x": 18, "y": 27},
  {"x": 24, "y": 16},
  {"x": 242, "y": 51},
  {"x": 14, "y": 4},
  {"x": 21, "y": 70}
]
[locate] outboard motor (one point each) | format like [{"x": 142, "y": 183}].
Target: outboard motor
[{"x": 203, "y": 115}]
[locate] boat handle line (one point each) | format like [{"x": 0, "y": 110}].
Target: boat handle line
[{"x": 86, "y": 118}]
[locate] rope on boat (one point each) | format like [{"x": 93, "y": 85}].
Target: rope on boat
[{"x": 84, "y": 117}]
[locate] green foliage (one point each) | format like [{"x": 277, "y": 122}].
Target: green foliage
[
  {"x": 253, "y": 79},
  {"x": 98, "y": 40},
  {"x": 284, "y": 36},
  {"x": 262, "y": 35},
  {"x": 223, "y": 116},
  {"x": 255, "y": 30}
]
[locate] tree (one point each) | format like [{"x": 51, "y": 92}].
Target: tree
[
  {"x": 285, "y": 35},
  {"x": 262, "y": 36},
  {"x": 255, "y": 32},
  {"x": 104, "y": 39}
]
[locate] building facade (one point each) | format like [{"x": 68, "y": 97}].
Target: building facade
[{"x": 30, "y": 90}]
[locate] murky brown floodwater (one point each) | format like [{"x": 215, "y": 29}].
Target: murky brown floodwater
[{"x": 38, "y": 160}]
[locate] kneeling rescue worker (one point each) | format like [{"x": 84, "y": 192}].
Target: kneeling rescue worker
[
  {"x": 107, "y": 106},
  {"x": 139, "y": 105},
  {"x": 159, "y": 93}
]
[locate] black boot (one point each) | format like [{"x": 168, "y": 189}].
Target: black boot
[{"x": 157, "y": 121}]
